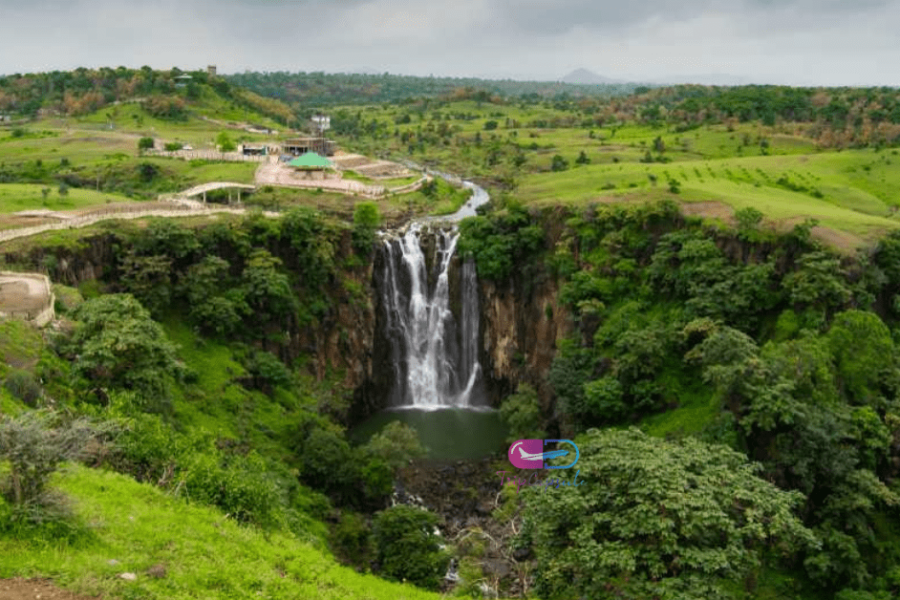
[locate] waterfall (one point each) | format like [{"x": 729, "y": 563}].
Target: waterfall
[{"x": 435, "y": 358}]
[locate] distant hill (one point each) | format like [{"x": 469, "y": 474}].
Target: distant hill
[
  {"x": 302, "y": 91},
  {"x": 707, "y": 79},
  {"x": 585, "y": 77}
]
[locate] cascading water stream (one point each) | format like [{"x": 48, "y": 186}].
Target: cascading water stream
[{"x": 434, "y": 353}]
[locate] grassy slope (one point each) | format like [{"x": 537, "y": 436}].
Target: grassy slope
[
  {"x": 23, "y": 196},
  {"x": 205, "y": 554}
]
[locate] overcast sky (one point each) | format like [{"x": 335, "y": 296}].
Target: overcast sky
[{"x": 824, "y": 42}]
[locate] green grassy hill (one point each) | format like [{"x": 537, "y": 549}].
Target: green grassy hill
[{"x": 203, "y": 553}]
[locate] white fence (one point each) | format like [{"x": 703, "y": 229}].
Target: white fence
[{"x": 210, "y": 155}]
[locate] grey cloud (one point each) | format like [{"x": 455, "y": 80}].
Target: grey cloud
[{"x": 832, "y": 40}]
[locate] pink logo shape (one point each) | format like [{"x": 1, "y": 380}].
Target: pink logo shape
[{"x": 527, "y": 454}]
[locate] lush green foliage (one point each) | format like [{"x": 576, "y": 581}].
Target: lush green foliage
[
  {"x": 756, "y": 336},
  {"x": 34, "y": 444},
  {"x": 521, "y": 413},
  {"x": 145, "y": 143},
  {"x": 117, "y": 345},
  {"x": 658, "y": 520},
  {"x": 366, "y": 220},
  {"x": 501, "y": 241},
  {"x": 396, "y": 445},
  {"x": 224, "y": 142},
  {"x": 312, "y": 89},
  {"x": 408, "y": 549}
]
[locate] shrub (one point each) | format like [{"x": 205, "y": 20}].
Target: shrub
[
  {"x": 558, "y": 163},
  {"x": 225, "y": 143},
  {"x": 266, "y": 372},
  {"x": 352, "y": 541},
  {"x": 35, "y": 443},
  {"x": 145, "y": 143},
  {"x": 117, "y": 344},
  {"x": 407, "y": 546},
  {"x": 396, "y": 444},
  {"x": 521, "y": 413},
  {"x": 22, "y": 385},
  {"x": 240, "y": 486}
]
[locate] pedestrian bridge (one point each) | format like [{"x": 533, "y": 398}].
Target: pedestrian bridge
[{"x": 201, "y": 190}]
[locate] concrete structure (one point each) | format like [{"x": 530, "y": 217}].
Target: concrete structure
[
  {"x": 299, "y": 146},
  {"x": 201, "y": 190},
  {"x": 26, "y": 296},
  {"x": 251, "y": 149},
  {"x": 211, "y": 70},
  {"x": 182, "y": 80}
]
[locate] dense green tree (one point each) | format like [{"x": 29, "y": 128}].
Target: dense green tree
[
  {"x": 864, "y": 353},
  {"x": 366, "y": 220},
  {"x": 145, "y": 143},
  {"x": 396, "y": 444},
  {"x": 149, "y": 279},
  {"x": 558, "y": 163},
  {"x": 656, "y": 519},
  {"x": 116, "y": 344},
  {"x": 224, "y": 142},
  {"x": 267, "y": 291},
  {"x": 521, "y": 413},
  {"x": 408, "y": 549}
]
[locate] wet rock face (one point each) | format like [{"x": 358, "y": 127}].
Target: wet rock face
[{"x": 520, "y": 323}]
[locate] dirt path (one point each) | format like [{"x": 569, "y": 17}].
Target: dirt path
[{"x": 34, "y": 589}]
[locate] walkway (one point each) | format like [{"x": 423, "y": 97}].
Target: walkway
[
  {"x": 202, "y": 189},
  {"x": 177, "y": 210}
]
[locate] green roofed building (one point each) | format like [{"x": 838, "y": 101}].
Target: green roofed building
[{"x": 311, "y": 161}]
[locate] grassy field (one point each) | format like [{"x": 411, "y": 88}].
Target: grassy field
[
  {"x": 23, "y": 196},
  {"x": 200, "y": 551},
  {"x": 772, "y": 168},
  {"x": 851, "y": 191},
  {"x": 775, "y": 169}
]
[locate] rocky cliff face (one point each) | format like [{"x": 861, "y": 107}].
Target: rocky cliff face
[
  {"x": 520, "y": 324},
  {"x": 521, "y": 320}
]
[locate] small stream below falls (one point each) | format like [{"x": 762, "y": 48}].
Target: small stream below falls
[{"x": 433, "y": 325}]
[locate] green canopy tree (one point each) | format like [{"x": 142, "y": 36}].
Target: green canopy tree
[
  {"x": 656, "y": 519},
  {"x": 116, "y": 344}
]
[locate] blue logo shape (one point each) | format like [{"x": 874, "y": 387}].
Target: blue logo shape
[
  {"x": 529, "y": 454},
  {"x": 563, "y": 453}
]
